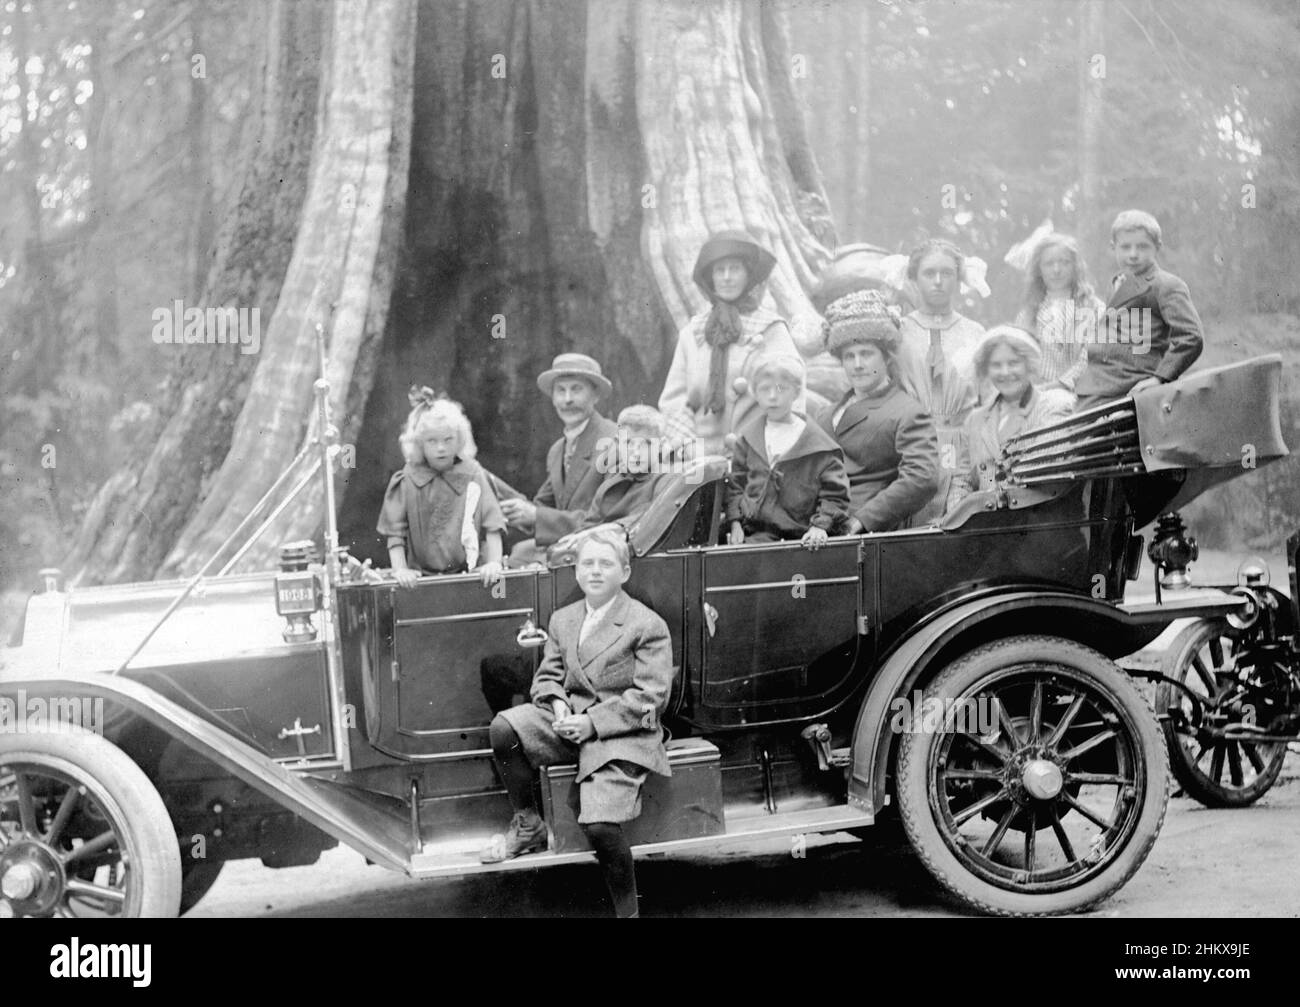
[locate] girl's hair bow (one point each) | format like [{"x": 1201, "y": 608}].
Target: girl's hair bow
[{"x": 422, "y": 395}]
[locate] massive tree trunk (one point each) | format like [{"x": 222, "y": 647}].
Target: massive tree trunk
[
  {"x": 710, "y": 77},
  {"x": 340, "y": 278},
  {"x": 137, "y": 515},
  {"x": 533, "y": 131}
]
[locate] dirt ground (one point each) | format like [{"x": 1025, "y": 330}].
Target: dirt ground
[{"x": 1206, "y": 863}]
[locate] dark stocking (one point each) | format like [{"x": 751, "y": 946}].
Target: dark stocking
[
  {"x": 615, "y": 857},
  {"x": 517, "y": 774}
]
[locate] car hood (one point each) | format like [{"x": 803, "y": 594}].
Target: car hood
[{"x": 87, "y": 630}]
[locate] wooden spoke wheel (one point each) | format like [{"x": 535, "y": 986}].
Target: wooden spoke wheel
[
  {"x": 1209, "y": 659},
  {"x": 1044, "y": 789},
  {"x": 83, "y": 833}
]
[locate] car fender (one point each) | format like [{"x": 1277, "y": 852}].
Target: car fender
[
  {"x": 948, "y": 633},
  {"x": 375, "y": 831}
]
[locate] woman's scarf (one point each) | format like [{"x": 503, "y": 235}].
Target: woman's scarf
[{"x": 721, "y": 329}]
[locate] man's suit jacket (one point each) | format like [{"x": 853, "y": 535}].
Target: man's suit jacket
[
  {"x": 562, "y": 502},
  {"x": 1175, "y": 335},
  {"x": 620, "y": 677}
]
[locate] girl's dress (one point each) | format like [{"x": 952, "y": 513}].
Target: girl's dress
[
  {"x": 1064, "y": 327},
  {"x": 440, "y": 518},
  {"x": 937, "y": 367}
]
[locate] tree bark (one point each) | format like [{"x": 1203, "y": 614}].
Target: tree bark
[
  {"x": 200, "y": 158},
  {"x": 716, "y": 160},
  {"x": 137, "y": 514},
  {"x": 533, "y": 131},
  {"x": 337, "y": 279}
]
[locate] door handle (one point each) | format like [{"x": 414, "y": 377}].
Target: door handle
[{"x": 530, "y": 635}]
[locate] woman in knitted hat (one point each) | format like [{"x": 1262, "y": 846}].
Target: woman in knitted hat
[
  {"x": 701, "y": 398},
  {"x": 889, "y": 443},
  {"x": 1010, "y": 359}
]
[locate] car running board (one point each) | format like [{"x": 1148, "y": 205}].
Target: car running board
[{"x": 454, "y": 858}]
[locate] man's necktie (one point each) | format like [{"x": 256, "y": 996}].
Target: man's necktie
[
  {"x": 570, "y": 447},
  {"x": 588, "y": 624}
]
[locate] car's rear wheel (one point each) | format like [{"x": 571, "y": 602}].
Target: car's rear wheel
[
  {"x": 1035, "y": 781},
  {"x": 1208, "y": 659},
  {"x": 83, "y": 833}
]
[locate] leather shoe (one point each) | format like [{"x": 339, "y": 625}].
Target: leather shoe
[{"x": 527, "y": 834}]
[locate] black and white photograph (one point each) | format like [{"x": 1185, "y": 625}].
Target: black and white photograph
[{"x": 601, "y": 459}]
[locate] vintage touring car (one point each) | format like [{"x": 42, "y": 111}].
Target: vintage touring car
[{"x": 276, "y": 715}]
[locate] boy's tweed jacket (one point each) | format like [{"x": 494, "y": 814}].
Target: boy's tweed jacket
[
  {"x": 1113, "y": 366},
  {"x": 620, "y": 677}
]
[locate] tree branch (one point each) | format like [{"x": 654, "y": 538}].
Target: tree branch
[
  {"x": 129, "y": 50},
  {"x": 1152, "y": 42}
]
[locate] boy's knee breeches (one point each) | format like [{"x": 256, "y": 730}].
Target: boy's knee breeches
[{"x": 610, "y": 794}]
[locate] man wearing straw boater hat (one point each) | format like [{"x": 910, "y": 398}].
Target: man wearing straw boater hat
[
  {"x": 574, "y": 383},
  {"x": 574, "y": 471}
]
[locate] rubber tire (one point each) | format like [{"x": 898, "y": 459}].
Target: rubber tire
[
  {"x": 197, "y": 879},
  {"x": 126, "y": 796},
  {"x": 913, "y": 781},
  {"x": 1174, "y": 663}
]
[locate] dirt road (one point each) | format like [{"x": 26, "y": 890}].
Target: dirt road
[{"x": 1206, "y": 863}]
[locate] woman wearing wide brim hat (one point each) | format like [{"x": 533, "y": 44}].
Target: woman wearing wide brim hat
[{"x": 702, "y": 397}]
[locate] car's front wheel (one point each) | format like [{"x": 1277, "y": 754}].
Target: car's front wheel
[
  {"x": 82, "y": 831},
  {"x": 1033, "y": 782}
]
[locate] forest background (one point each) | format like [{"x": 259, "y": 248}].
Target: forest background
[{"x": 127, "y": 132}]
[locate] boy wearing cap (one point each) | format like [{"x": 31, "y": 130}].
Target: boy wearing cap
[
  {"x": 574, "y": 472},
  {"x": 787, "y": 475}
]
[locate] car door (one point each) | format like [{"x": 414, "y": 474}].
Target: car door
[
  {"x": 455, "y": 657},
  {"x": 782, "y": 628}
]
